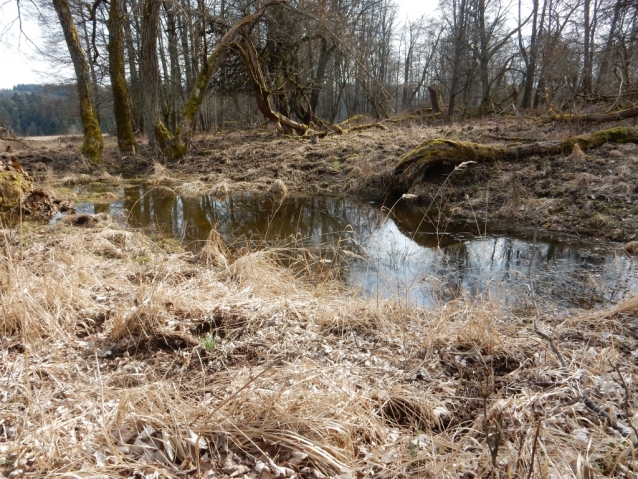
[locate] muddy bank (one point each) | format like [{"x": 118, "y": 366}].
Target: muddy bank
[{"x": 590, "y": 195}]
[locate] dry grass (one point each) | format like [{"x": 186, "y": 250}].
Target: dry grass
[
  {"x": 278, "y": 188},
  {"x": 121, "y": 359}
]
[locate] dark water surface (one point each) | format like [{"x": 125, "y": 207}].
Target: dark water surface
[{"x": 402, "y": 252}]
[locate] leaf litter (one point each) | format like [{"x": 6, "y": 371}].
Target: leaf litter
[{"x": 122, "y": 359}]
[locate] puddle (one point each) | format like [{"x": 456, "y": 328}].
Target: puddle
[{"x": 401, "y": 252}]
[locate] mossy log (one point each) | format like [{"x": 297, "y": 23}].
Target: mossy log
[
  {"x": 596, "y": 118},
  {"x": 414, "y": 166},
  {"x": 342, "y": 131}
]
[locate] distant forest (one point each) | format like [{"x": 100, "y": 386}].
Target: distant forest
[{"x": 35, "y": 110}]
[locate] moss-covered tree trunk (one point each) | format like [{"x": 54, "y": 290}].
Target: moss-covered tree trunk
[
  {"x": 121, "y": 100},
  {"x": 149, "y": 70},
  {"x": 220, "y": 53},
  {"x": 93, "y": 141},
  {"x": 596, "y": 117},
  {"x": 414, "y": 166}
]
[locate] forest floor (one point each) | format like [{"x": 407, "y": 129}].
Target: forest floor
[{"x": 592, "y": 196}]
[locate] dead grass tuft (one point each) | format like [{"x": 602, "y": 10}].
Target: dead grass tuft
[
  {"x": 516, "y": 194},
  {"x": 221, "y": 190},
  {"x": 631, "y": 248},
  {"x": 160, "y": 176},
  {"x": 278, "y": 188},
  {"x": 192, "y": 188},
  {"x": 75, "y": 180},
  {"x": 583, "y": 183},
  {"x": 577, "y": 154},
  {"x": 214, "y": 251}
]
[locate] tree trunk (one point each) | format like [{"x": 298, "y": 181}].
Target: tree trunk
[
  {"x": 530, "y": 61},
  {"x": 486, "y": 105},
  {"x": 459, "y": 33},
  {"x": 604, "y": 64},
  {"x": 121, "y": 100},
  {"x": 135, "y": 91},
  {"x": 91, "y": 59},
  {"x": 150, "y": 71},
  {"x": 588, "y": 47},
  {"x": 93, "y": 142},
  {"x": 280, "y": 120},
  {"x": 175, "y": 86},
  {"x": 220, "y": 53},
  {"x": 435, "y": 98}
]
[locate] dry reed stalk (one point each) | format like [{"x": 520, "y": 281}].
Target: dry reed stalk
[
  {"x": 149, "y": 361},
  {"x": 214, "y": 250}
]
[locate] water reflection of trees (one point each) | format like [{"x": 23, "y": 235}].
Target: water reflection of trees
[
  {"x": 410, "y": 256},
  {"x": 250, "y": 216}
]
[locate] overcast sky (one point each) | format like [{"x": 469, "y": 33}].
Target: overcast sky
[{"x": 19, "y": 62}]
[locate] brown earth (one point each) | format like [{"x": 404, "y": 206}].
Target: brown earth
[{"x": 592, "y": 196}]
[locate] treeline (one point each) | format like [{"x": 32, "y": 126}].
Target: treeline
[
  {"x": 32, "y": 110},
  {"x": 175, "y": 66},
  {"x": 36, "y": 110}
]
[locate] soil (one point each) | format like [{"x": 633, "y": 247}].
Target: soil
[{"x": 592, "y": 196}]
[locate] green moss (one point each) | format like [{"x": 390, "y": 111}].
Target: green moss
[
  {"x": 634, "y": 210},
  {"x": 453, "y": 151},
  {"x": 93, "y": 142},
  {"x": 594, "y": 140},
  {"x": 598, "y": 221},
  {"x": 13, "y": 186},
  {"x": 162, "y": 135}
]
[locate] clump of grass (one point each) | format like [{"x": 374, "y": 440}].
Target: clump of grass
[
  {"x": 577, "y": 155},
  {"x": 75, "y": 180},
  {"x": 192, "y": 188},
  {"x": 214, "y": 250},
  {"x": 278, "y": 188},
  {"x": 220, "y": 190},
  {"x": 159, "y": 175},
  {"x": 208, "y": 342}
]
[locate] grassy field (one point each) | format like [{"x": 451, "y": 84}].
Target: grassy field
[{"x": 123, "y": 357}]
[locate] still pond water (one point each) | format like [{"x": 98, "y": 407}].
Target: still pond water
[{"x": 402, "y": 252}]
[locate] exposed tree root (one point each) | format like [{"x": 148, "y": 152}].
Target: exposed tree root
[{"x": 414, "y": 166}]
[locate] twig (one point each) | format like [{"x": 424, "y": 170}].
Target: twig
[
  {"x": 620, "y": 77},
  {"x": 611, "y": 420},
  {"x": 626, "y": 398},
  {"x": 543, "y": 335},
  {"x": 531, "y": 463}
]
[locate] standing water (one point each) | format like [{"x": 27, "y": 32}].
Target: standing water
[{"x": 404, "y": 251}]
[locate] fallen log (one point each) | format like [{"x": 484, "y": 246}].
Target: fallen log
[
  {"x": 414, "y": 166},
  {"x": 596, "y": 118},
  {"x": 342, "y": 131}
]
